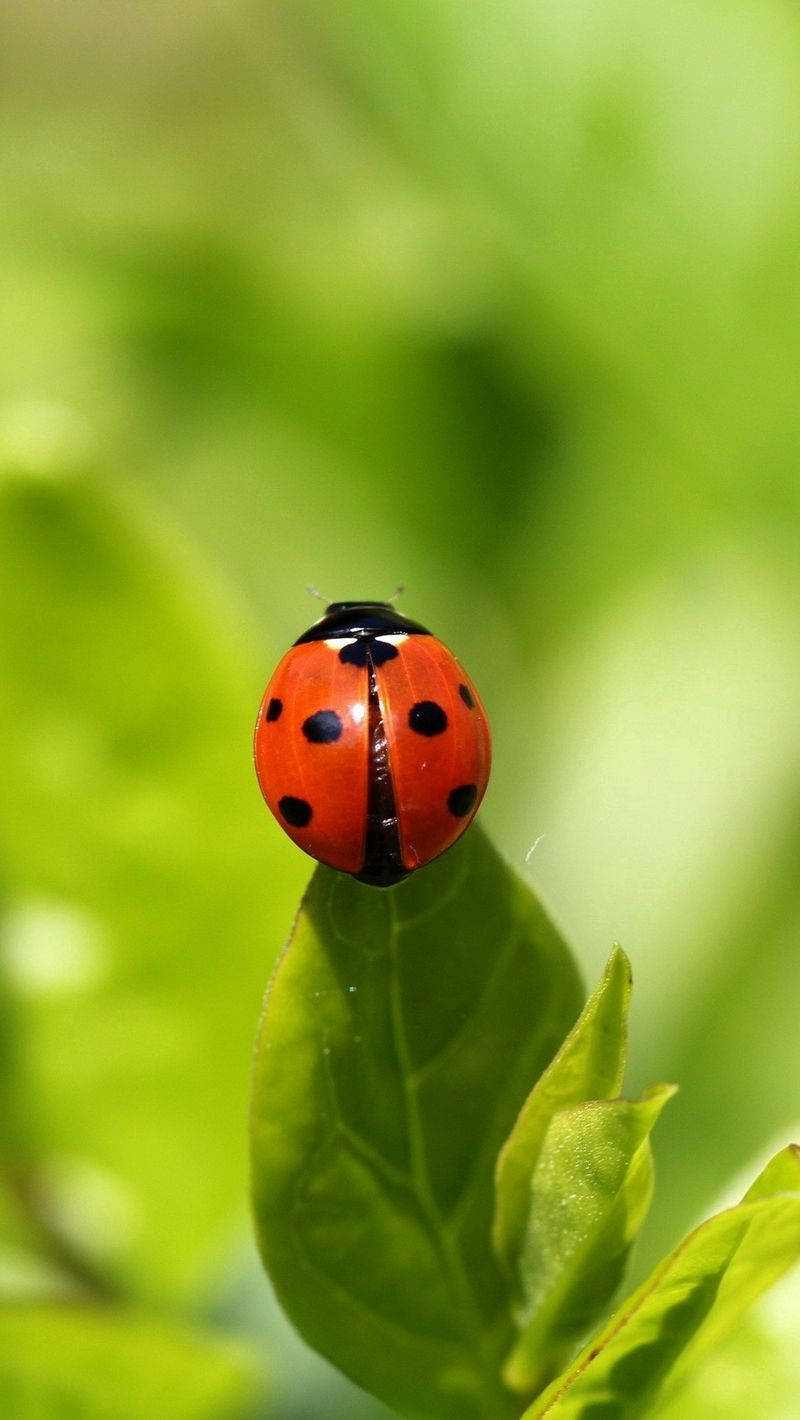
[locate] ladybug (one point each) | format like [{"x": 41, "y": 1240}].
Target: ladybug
[{"x": 372, "y": 747}]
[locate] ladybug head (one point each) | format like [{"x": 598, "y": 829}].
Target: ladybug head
[
  {"x": 361, "y": 619},
  {"x": 357, "y": 606}
]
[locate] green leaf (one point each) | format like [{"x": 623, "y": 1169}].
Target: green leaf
[
  {"x": 84, "y": 1363},
  {"x": 589, "y": 1065},
  {"x": 401, "y": 1033},
  {"x": 753, "y": 1371},
  {"x": 589, "y": 1195},
  {"x": 781, "y": 1175},
  {"x": 141, "y": 880},
  {"x": 687, "y": 1306}
]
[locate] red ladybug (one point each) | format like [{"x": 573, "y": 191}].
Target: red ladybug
[{"x": 372, "y": 747}]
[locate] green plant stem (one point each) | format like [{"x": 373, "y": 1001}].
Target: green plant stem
[{"x": 53, "y": 1245}]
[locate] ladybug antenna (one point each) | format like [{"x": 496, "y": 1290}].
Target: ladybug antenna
[
  {"x": 398, "y": 592},
  {"x": 312, "y": 592}
]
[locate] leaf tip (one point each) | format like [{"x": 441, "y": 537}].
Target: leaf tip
[
  {"x": 662, "y": 1090},
  {"x": 618, "y": 968}
]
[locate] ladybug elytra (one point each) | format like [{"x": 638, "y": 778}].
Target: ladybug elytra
[{"x": 372, "y": 747}]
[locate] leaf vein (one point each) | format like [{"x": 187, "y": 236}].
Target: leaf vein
[
  {"x": 638, "y": 1301},
  {"x": 452, "y": 1262}
]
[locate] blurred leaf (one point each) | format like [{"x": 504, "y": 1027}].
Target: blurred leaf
[
  {"x": 144, "y": 887},
  {"x": 755, "y": 1371},
  {"x": 79, "y": 1363},
  {"x": 590, "y": 1192},
  {"x": 780, "y": 1175},
  {"x": 589, "y": 1065},
  {"x": 687, "y": 1306},
  {"x": 401, "y": 1034}
]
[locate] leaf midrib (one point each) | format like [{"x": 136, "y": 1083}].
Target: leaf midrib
[{"x": 459, "y": 1282}]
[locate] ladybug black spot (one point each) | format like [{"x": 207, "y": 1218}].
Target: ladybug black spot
[
  {"x": 427, "y": 718},
  {"x": 381, "y": 651},
  {"x": 297, "y": 812},
  {"x": 273, "y": 709},
  {"x": 323, "y": 727},
  {"x": 466, "y": 695},
  {"x": 460, "y": 800},
  {"x": 355, "y": 652}
]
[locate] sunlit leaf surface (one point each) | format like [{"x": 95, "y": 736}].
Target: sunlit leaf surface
[
  {"x": 590, "y": 1193},
  {"x": 589, "y": 1065},
  {"x": 687, "y": 1306}
]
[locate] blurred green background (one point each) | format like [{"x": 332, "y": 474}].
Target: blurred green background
[{"x": 500, "y": 302}]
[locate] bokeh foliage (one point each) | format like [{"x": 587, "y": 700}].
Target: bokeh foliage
[{"x": 502, "y": 304}]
